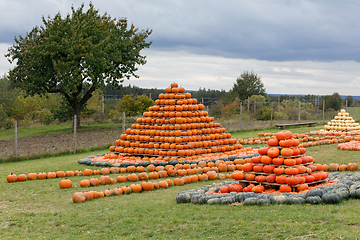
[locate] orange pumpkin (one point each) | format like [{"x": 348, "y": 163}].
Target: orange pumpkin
[
  {"x": 11, "y": 178},
  {"x": 66, "y": 183},
  {"x": 78, "y": 197},
  {"x": 285, "y": 188},
  {"x": 85, "y": 183}
]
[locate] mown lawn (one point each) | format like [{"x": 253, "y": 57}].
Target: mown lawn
[
  {"x": 40, "y": 209},
  {"x": 354, "y": 112},
  {"x": 41, "y": 130}
]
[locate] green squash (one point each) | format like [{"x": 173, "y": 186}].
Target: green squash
[
  {"x": 344, "y": 193},
  {"x": 144, "y": 163},
  {"x": 313, "y": 200},
  {"x": 213, "y": 201},
  {"x": 240, "y": 197},
  {"x": 297, "y": 200},
  {"x": 183, "y": 198},
  {"x": 331, "y": 198},
  {"x": 279, "y": 199},
  {"x": 355, "y": 193},
  {"x": 195, "y": 198},
  {"x": 263, "y": 201},
  {"x": 251, "y": 201},
  {"x": 173, "y": 162},
  {"x": 227, "y": 200},
  {"x": 204, "y": 199},
  {"x": 315, "y": 192}
]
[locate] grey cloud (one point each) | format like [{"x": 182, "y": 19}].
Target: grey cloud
[{"x": 266, "y": 30}]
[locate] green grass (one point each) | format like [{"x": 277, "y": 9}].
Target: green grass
[
  {"x": 354, "y": 112},
  {"x": 53, "y": 154},
  {"x": 40, "y": 209},
  {"x": 6, "y": 135}
]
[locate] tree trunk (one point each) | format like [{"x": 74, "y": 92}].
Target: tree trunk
[
  {"x": 76, "y": 105},
  {"x": 77, "y": 111}
]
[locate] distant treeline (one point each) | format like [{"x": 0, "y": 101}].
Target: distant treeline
[{"x": 208, "y": 97}]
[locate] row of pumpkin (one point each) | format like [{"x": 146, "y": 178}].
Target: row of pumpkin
[
  {"x": 182, "y": 169},
  {"x": 148, "y": 186},
  {"x": 139, "y": 187},
  {"x": 307, "y": 140}
]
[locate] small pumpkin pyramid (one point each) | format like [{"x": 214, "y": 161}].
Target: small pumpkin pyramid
[
  {"x": 177, "y": 126},
  {"x": 283, "y": 165},
  {"x": 343, "y": 122}
]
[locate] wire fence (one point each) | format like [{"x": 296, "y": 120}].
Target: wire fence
[
  {"x": 254, "y": 114},
  {"x": 37, "y": 137},
  {"x": 45, "y": 140}
]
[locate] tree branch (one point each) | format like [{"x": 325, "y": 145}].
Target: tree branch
[{"x": 87, "y": 95}]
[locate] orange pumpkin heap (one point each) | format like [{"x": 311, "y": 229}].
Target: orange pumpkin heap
[
  {"x": 283, "y": 165},
  {"x": 176, "y": 127}
]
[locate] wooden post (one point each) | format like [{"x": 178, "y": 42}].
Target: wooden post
[
  {"x": 315, "y": 106},
  {"x": 318, "y": 106},
  {"x": 123, "y": 124},
  {"x": 346, "y": 102},
  {"x": 15, "y": 140},
  {"x": 272, "y": 105},
  {"x": 103, "y": 104},
  {"x": 278, "y": 103},
  {"x": 323, "y": 111},
  {"x": 299, "y": 111},
  {"x": 74, "y": 148},
  {"x": 248, "y": 105},
  {"x": 240, "y": 116}
]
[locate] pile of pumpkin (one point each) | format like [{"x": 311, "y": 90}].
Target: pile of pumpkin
[
  {"x": 177, "y": 126},
  {"x": 283, "y": 164},
  {"x": 343, "y": 186}
]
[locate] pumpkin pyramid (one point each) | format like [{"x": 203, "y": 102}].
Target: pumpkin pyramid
[
  {"x": 283, "y": 165},
  {"x": 176, "y": 127},
  {"x": 343, "y": 122}
]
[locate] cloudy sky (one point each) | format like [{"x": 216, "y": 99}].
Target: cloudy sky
[{"x": 297, "y": 47}]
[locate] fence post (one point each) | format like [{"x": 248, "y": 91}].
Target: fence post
[
  {"x": 103, "y": 104},
  {"x": 15, "y": 140},
  {"x": 299, "y": 111},
  {"x": 272, "y": 105},
  {"x": 240, "y": 116},
  {"x": 74, "y": 149},
  {"x": 248, "y": 105},
  {"x": 123, "y": 124},
  {"x": 323, "y": 111},
  {"x": 346, "y": 104},
  {"x": 278, "y": 103}
]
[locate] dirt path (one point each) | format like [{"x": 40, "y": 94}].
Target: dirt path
[{"x": 59, "y": 142}]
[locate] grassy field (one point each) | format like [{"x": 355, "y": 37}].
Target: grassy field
[
  {"x": 40, "y": 209},
  {"x": 354, "y": 112},
  {"x": 41, "y": 130}
]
